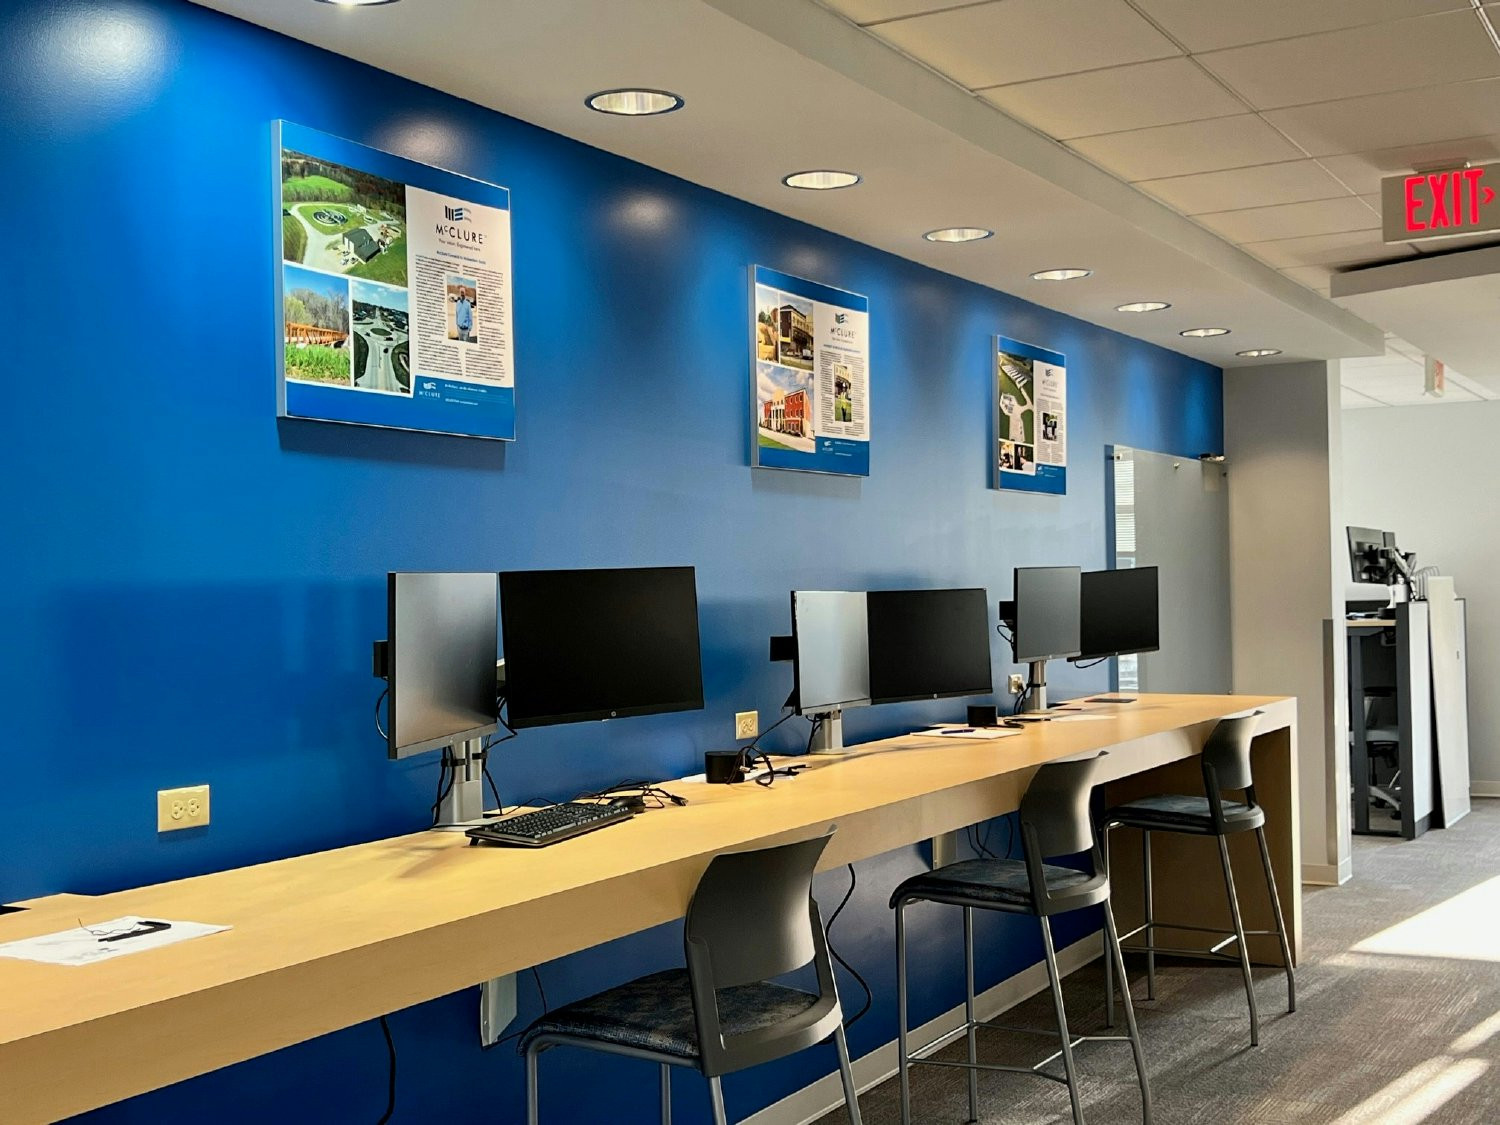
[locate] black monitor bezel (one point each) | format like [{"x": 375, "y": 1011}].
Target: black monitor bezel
[
  {"x": 988, "y": 689},
  {"x": 1019, "y": 610},
  {"x": 1083, "y": 577},
  {"x": 559, "y": 719}
]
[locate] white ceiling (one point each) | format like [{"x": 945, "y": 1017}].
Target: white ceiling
[
  {"x": 933, "y": 154},
  {"x": 1398, "y": 378},
  {"x": 1270, "y": 122}
]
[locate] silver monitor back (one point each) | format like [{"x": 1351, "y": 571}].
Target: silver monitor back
[
  {"x": 443, "y": 642},
  {"x": 833, "y": 650}
]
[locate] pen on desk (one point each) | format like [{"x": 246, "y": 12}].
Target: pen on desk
[
  {"x": 957, "y": 730},
  {"x": 146, "y": 927}
]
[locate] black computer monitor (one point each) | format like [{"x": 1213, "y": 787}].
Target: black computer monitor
[
  {"x": 928, "y": 644},
  {"x": 831, "y": 650},
  {"x": 1118, "y": 612},
  {"x": 1367, "y": 557},
  {"x": 1046, "y": 612},
  {"x": 599, "y": 644},
  {"x": 440, "y": 658}
]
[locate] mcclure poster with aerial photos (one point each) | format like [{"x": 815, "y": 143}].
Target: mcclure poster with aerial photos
[
  {"x": 394, "y": 291},
  {"x": 810, "y": 365},
  {"x": 1031, "y": 418}
]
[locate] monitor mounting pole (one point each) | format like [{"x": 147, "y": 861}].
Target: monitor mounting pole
[
  {"x": 829, "y": 737},
  {"x": 1036, "y": 683},
  {"x": 462, "y": 804}
]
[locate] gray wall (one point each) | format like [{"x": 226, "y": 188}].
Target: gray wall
[
  {"x": 1286, "y": 574},
  {"x": 1431, "y": 474}
]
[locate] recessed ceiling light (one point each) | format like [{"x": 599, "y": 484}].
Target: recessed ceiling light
[
  {"x": 634, "y": 103},
  {"x": 958, "y": 234},
  {"x": 821, "y": 179},
  {"x": 1201, "y": 332},
  {"x": 1060, "y": 275},
  {"x": 356, "y": 3},
  {"x": 1144, "y": 306},
  {"x": 1256, "y": 353}
]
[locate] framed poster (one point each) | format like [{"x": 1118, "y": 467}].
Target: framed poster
[
  {"x": 393, "y": 291},
  {"x": 810, "y": 376},
  {"x": 1030, "y": 452}
]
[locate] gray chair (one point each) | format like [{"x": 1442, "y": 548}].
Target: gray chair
[
  {"x": 752, "y": 918},
  {"x": 1226, "y": 765},
  {"x": 1055, "y": 822}
]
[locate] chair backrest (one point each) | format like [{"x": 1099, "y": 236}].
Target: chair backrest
[
  {"x": 1055, "y": 807},
  {"x": 1226, "y": 754},
  {"x": 752, "y": 912},
  {"x": 1381, "y": 712}
]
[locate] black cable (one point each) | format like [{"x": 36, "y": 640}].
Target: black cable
[
  {"x": 812, "y": 731},
  {"x": 446, "y": 777},
  {"x": 1092, "y": 663},
  {"x": 828, "y": 932},
  {"x": 390, "y": 1046},
  {"x": 378, "y": 725}
]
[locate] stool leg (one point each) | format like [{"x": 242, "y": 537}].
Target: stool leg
[
  {"x": 716, "y": 1096},
  {"x": 531, "y": 1092},
  {"x": 666, "y": 1094},
  {"x": 1239, "y": 933},
  {"x": 971, "y": 1031},
  {"x": 1286, "y": 946},
  {"x": 1062, "y": 1020},
  {"x": 1150, "y": 915},
  {"x": 846, "y": 1073},
  {"x": 1109, "y": 961},
  {"x": 1112, "y": 941},
  {"x": 901, "y": 1056}
]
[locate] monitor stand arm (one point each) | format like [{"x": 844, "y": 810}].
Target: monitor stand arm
[
  {"x": 462, "y": 805},
  {"x": 829, "y": 738},
  {"x": 1036, "y": 699}
]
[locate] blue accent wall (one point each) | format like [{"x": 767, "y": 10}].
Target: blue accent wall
[{"x": 191, "y": 588}]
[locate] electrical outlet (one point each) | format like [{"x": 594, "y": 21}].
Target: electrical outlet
[
  {"x": 181, "y": 808},
  {"x": 1016, "y": 684},
  {"x": 746, "y": 724}
]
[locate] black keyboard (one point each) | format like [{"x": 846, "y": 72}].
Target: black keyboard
[{"x": 549, "y": 825}]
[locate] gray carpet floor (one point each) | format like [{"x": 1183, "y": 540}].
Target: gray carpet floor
[{"x": 1397, "y": 1021}]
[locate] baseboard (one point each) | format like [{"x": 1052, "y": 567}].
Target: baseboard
[
  {"x": 1327, "y": 874},
  {"x": 1484, "y": 788},
  {"x": 827, "y": 1093}
]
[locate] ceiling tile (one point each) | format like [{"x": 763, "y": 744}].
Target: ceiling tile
[
  {"x": 1265, "y": 185},
  {"x": 1196, "y": 146},
  {"x": 1428, "y": 51},
  {"x": 1352, "y": 400},
  {"x": 1343, "y": 249},
  {"x": 1315, "y": 278},
  {"x": 1018, "y": 40},
  {"x": 1412, "y": 117},
  {"x": 1161, "y": 92},
  {"x": 1363, "y": 171},
  {"x": 1292, "y": 220},
  {"x": 1205, "y": 25},
  {"x": 870, "y": 11}
]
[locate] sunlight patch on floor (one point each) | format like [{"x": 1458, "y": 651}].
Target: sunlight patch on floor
[
  {"x": 1463, "y": 928},
  {"x": 1418, "y": 1094}
]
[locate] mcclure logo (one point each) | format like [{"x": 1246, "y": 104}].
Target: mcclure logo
[
  {"x": 455, "y": 214},
  {"x": 840, "y": 318}
]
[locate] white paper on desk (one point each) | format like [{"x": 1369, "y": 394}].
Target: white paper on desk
[
  {"x": 985, "y": 733},
  {"x": 81, "y": 945}
]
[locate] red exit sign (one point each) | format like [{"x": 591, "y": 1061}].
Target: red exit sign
[{"x": 1440, "y": 204}]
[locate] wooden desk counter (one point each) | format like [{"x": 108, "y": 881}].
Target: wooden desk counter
[{"x": 324, "y": 941}]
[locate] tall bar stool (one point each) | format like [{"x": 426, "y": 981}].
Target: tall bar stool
[
  {"x": 752, "y": 918},
  {"x": 1226, "y": 765},
  {"x": 1054, "y": 822}
]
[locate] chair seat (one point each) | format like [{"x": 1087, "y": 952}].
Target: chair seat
[
  {"x": 1179, "y": 812},
  {"x": 999, "y": 881},
  {"x": 655, "y": 1013}
]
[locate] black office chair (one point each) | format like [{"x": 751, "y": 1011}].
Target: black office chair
[
  {"x": 752, "y": 918},
  {"x": 1055, "y": 822},
  {"x": 1383, "y": 742},
  {"x": 1226, "y": 765}
]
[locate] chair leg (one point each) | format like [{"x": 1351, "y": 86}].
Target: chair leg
[
  {"x": 902, "y": 1066},
  {"x": 1109, "y": 961},
  {"x": 1150, "y": 915},
  {"x": 846, "y": 1073},
  {"x": 1286, "y": 945},
  {"x": 716, "y": 1096},
  {"x": 1062, "y": 1020},
  {"x": 1112, "y": 941},
  {"x": 971, "y": 1031},
  {"x": 666, "y": 1094},
  {"x": 531, "y": 1092},
  {"x": 1239, "y": 933}
]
